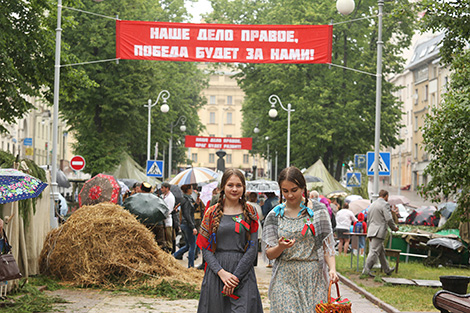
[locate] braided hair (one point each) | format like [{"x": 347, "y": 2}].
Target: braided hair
[
  {"x": 294, "y": 175},
  {"x": 219, "y": 211}
]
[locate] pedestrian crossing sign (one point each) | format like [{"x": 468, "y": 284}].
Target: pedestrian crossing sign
[
  {"x": 353, "y": 179},
  {"x": 384, "y": 163},
  {"x": 155, "y": 168}
]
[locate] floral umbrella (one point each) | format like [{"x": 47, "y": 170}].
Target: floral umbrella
[
  {"x": 16, "y": 185},
  {"x": 194, "y": 175},
  {"x": 100, "y": 188}
]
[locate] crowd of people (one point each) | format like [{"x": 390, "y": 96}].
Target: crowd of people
[{"x": 299, "y": 233}]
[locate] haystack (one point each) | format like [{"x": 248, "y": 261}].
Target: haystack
[{"x": 104, "y": 244}]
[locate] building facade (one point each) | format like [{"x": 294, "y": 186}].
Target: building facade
[
  {"x": 423, "y": 83},
  {"x": 31, "y": 136},
  {"x": 222, "y": 117}
]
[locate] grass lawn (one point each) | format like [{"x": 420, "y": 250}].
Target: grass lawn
[{"x": 404, "y": 298}]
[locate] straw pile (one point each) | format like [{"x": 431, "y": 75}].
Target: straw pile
[{"x": 104, "y": 244}]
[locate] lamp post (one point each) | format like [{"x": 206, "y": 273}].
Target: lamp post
[
  {"x": 164, "y": 108},
  {"x": 267, "y": 158},
  {"x": 345, "y": 7},
  {"x": 273, "y": 113},
  {"x": 181, "y": 119}
]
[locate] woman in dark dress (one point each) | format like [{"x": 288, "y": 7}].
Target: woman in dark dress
[{"x": 228, "y": 238}]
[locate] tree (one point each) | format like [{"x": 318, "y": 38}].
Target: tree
[
  {"x": 334, "y": 114},
  {"x": 27, "y": 46},
  {"x": 111, "y": 118},
  {"x": 446, "y": 132}
]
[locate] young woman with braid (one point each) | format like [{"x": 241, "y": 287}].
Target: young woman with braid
[
  {"x": 228, "y": 238},
  {"x": 298, "y": 236}
]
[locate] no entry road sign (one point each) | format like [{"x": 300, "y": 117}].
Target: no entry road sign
[{"x": 77, "y": 163}]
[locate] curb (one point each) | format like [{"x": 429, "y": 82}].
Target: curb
[{"x": 384, "y": 306}]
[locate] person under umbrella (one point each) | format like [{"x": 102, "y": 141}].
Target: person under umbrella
[
  {"x": 170, "y": 200},
  {"x": 188, "y": 226}
]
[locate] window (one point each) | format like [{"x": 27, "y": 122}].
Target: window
[
  {"x": 212, "y": 100},
  {"x": 194, "y": 157},
  {"x": 416, "y": 123},
  {"x": 229, "y": 100},
  {"x": 229, "y": 118},
  {"x": 228, "y": 136},
  {"x": 416, "y": 150},
  {"x": 421, "y": 74},
  {"x": 211, "y": 135},
  {"x": 211, "y": 158},
  {"x": 229, "y": 158},
  {"x": 212, "y": 118},
  {"x": 426, "y": 90},
  {"x": 246, "y": 158},
  {"x": 416, "y": 97}
]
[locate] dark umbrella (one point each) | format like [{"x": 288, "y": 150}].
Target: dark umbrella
[
  {"x": 312, "y": 179},
  {"x": 16, "y": 185},
  {"x": 447, "y": 208},
  {"x": 129, "y": 182},
  {"x": 423, "y": 216},
  {"x": 149, "y": 208},
  {"x": 100, "y": 188}
]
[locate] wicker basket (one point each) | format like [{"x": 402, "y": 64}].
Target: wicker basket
[{"x": 333, "y": 307}]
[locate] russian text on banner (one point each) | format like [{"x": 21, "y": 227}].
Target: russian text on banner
[{"x": 162, "y": 41}]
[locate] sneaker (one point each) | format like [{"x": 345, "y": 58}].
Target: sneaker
[
  {"x": 178, "y": 257},
  {"x": 269, "y": 266}
]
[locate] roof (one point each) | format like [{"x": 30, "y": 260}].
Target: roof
[{"x": 426, "y": 52}]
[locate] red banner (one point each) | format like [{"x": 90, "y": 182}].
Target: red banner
[
  {"x": 218, "y": 142},
  {"x": 223, "y": 42}
]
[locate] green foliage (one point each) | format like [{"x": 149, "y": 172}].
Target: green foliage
[
  {"x": 28, "y": 166},
  {"x": 172, "y": 290},
  {"x": 334, "y": 114},
  {"x": 27, "y": 50},
  {"x": 28, "y": 299},
  {"x": 446, "y": 136},
  {"x": 451, "y": 17},
  {"x": 40, "y": 280},
  {"x": 363, "y": 191},
  {"x": 402, "y": 297},
  {"x": 110, "y": 118}
]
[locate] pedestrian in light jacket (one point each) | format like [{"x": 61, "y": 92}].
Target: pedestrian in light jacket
[{"x": 378, "y": 218}]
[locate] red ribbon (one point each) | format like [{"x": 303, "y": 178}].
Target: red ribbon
[
  {"x": 238, "y": 220},
  {"x": 233, "y": 296},
  {"x": 308, "y": 226}
]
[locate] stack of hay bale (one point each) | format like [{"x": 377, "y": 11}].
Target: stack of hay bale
[{"x": 104, "y": 244}]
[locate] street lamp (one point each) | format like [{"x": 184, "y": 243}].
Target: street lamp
[
  {"x": 267, "y": 158},
  {"x": 181, "y": 119},
  {"x": 344, "y": 7},
  {"x": 273, "y": 113},
  {"x": 164, "y": 108}
]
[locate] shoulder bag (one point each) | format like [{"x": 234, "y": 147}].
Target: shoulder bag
[{"x": 8, "y": 267}]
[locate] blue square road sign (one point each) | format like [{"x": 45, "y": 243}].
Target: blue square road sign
[{"x": 154, "y": 168}]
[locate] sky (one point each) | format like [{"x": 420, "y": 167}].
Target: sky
[{"x": 196, "y": 8}]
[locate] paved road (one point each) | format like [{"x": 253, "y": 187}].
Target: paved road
[{"x": 93, "y": 301}]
